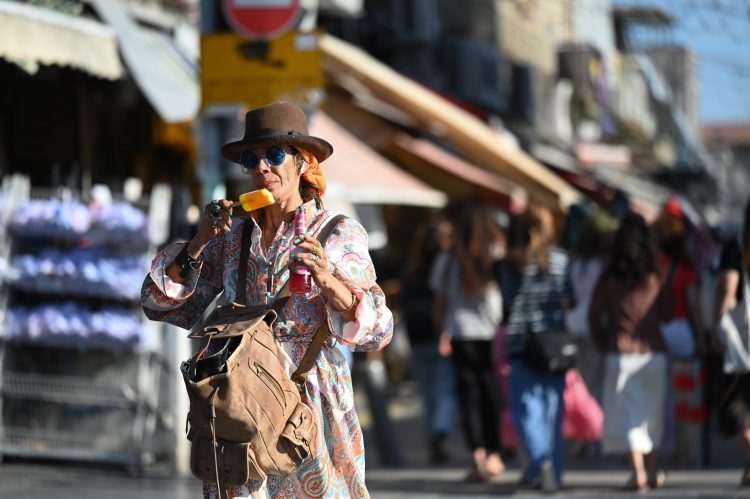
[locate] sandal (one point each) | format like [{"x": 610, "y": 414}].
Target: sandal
[
  {"x": 474, "y": 476},
  {"x": 633, "y": 485},
  {"x": 745, "y": 480},
  {"x": 659, "y": 481}
]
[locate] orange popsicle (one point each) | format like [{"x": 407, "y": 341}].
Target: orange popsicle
[{"x": 255, "y": 199}]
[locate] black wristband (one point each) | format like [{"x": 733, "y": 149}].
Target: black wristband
[{"x": 186, "y": 262}]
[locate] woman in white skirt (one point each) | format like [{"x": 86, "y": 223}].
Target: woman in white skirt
[{"x": 624, "y": 317}]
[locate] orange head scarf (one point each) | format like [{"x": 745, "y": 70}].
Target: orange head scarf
[{"x": 314, "y": 173}]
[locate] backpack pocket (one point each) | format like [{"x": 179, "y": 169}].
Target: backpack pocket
[
  {"x": 299, "y": 438},
  {"x": 236, "y": 461}
]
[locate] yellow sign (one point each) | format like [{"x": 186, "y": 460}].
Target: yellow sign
[{"x": 235, "y": 70}]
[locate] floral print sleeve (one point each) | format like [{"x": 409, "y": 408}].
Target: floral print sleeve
[
  {"x": 163, "y": 299},
  {"x": 372, "y": 328}
]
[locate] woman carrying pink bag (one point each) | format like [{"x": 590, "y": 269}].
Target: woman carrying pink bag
[{"x": 583, "y": 418}]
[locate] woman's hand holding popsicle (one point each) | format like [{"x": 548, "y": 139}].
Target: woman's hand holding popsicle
[
  {"x": 217, "y": 216},
  {"x": 217, "y": 219}
]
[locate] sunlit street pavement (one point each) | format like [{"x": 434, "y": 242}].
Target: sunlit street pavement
[
  {"x": 65, "y": 482},
  {"x": 587, "y": 478},
  {"x": 411, "y": 477}
]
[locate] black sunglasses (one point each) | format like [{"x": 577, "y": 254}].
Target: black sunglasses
[{"x": 273, "y": 156}]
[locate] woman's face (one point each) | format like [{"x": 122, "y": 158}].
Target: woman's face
[{"x": 281, "y": 180}]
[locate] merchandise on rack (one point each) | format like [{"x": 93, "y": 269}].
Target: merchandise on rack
[
  {"x": 82, "y": 273},
  {"x": 80, "y": 374},
  {"x": 118, "y": 223},
  {"x": 72, "y": 325}
]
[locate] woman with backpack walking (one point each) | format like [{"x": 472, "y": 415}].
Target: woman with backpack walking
[
  {"x": 533, "y": 279},
  {"x": 278, "y": 154}
]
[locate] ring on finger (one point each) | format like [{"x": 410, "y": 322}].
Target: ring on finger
[
  {"x": 214, "y": 209},
  {"x": 316, "y": 251},
  {"x": 315, "y": 256}
]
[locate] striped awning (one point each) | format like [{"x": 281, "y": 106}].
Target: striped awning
[{"x": 31, "y": 36}]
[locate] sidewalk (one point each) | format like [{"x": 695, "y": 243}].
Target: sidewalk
[
  {"x": 415, "y": 479},
  {"x": 408, "y": 429}
]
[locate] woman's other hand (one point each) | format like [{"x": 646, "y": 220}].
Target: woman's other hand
[
  {"x": 311, "y": 253},
  {"x": 313, "y": 256}
]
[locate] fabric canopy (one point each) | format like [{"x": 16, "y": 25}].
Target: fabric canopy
[
  {"x": 167, "y": 80},
  {"x": 472, "y": 137},
  {"x": 357, "y": 172},
  {"x": 456, "y": 166},
  {"x": 31, "y": 35}
]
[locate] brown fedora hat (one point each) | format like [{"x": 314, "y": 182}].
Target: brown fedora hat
[{"x": 277, "y": 123}]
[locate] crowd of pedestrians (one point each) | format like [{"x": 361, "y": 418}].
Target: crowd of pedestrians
[{"x": 651, "y": 310}]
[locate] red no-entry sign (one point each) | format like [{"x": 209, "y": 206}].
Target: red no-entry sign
[{"x": 261, "y": 19}]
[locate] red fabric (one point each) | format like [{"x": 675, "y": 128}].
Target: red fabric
[
  {"x": 703, "y": 376},
  {"x": 684, "y": 278},
  {"x": 682, "y": 410},
  {"x": 673, "y": 207},
  {"x": 684, "y": 382},
  {"x": 699, "y": 414}
]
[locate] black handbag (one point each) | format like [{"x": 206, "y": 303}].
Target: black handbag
[{"x": 550, "y": 353}]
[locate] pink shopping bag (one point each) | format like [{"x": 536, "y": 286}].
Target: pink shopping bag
[{"x": 583, "y": 418}]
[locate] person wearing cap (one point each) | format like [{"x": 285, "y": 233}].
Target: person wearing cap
[{"x": 278, "y": 154}]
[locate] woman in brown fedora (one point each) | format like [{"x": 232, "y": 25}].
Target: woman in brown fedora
[{"x": 278, "y": 154}]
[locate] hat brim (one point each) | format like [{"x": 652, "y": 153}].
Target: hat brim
[{"x": 320, "y": 148}]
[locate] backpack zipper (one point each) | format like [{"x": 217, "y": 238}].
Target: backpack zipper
[{"x": 271, "y": 382}]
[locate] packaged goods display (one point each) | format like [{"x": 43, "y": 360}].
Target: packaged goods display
[{"x": 82, "y": 366}]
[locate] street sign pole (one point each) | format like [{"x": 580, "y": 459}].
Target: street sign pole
[{"x": 209, "y": 128}]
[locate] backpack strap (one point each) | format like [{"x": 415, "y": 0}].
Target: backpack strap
[
  {"x": 326, "y": 231},
  {"x": 311, "y": 355},
  {"x": 247, "y": 235},
  {"x": 316, "y": 345}
]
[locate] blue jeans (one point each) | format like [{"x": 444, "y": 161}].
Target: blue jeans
[
  {"x": 536, "y": 402},
  {"x": 434, "y": 374}
]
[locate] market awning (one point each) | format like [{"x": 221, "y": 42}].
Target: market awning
[
  {"x": 364, "y": 176},
  {"x": 31, "y": 35},
  {"x": 646, "y": 197},
  {"x": 167, "y": 79},
  {"x": 472, "y": 137},
  {"x": 456, "y": 166}
]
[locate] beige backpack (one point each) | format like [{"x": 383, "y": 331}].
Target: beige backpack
[{"x": 246, "y": 417}]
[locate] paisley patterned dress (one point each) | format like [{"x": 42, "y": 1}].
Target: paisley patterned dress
[{"x": 339, "y": 469}]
